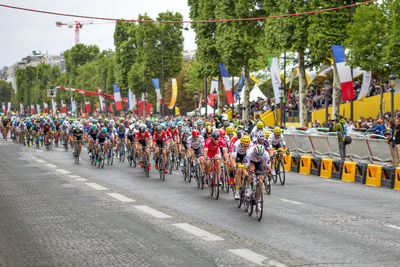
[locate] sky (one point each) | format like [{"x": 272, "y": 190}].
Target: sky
[{"x": 22, "y": 32}]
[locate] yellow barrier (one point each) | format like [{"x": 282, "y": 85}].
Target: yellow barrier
[
  {"x": 287, "y": 162},
  {"x": 374, "y": 175},
  {"x": 349, "y": 171},
  {"x": 229, "y": 113},
  {"x": 397, "y": 179},
  {"x": 305, "y": 165},
  {"x": 326, "y": 168}
]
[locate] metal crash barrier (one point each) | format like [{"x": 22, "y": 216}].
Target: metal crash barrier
[{"x": 360, "y": 149}]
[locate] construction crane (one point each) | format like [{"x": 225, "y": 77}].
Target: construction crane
[{"x": 77, "y": 25}]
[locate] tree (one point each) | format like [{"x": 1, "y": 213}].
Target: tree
[
  {"x": 237, "y": 42},
  {"x": 392, "y": 48},
  {"x": 290, "y": 34},
  {"x": 367, "y": 41},
  {"x": 6, "y": 91}
]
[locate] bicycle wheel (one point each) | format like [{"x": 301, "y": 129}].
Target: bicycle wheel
[
  {"x": 134, "y": 159},
  {"x": 146, "y": 166},
  {"x": 198, "y": 177},
  {"x": 122, "y": 156},
  {"x": 267, "y": 185},
  {"x": 177, "y": 162},
  {"x": 216, "y": 185},
  {"x": 130, "y": 156},
  {"x": 161, "y": 166},
  {"x": 170, "y": 163},
  {"x": 111, "y": 156},
  {"x": 282, "y": 175},
  {"x": 211, "y": 183},
  {"x": 239, "y": 202},
  {"x": 276, "y": 170},
  {"x": 259, "y": 202},
  {"x": 251, "y": 204}
]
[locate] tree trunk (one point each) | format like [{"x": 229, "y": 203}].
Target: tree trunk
[
  {"x": 302, "y": 90},
  {"x": 381, "y": 100},
  {"x": 246, "y": 95},
  {"x": 221, "y": 92},
  {"x": 335, "y": 92}
]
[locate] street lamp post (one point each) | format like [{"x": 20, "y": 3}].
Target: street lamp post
[
  {"x": 196, "y": 96},
  {"x": 214, "y": 98},
  {"x": 392, "y": 78},
  {"x": 326, "y": 88},
  {"x": 282, "y": 92}
]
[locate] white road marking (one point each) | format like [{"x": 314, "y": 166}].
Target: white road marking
[
  {"x": 330, "y": 180},
  {"x": 153, "y": 212},
  {"x": 68, "y": 185},
  {"x": 291, "y": 201},
  {"x": 62, "y": 171},
  {"x": 120, "y": 197},
  {"x": 40, "y": 160},
  {"x": 74, "y": 176},
  {"x": 96, "y": 186},
  {"x": 393, "y": 226},
  {"x": 249, "y": 255},
  {"x": 51, "y": 165},
  {"x": 196, "y": 231},
  {"x": 81, "y": 179}
]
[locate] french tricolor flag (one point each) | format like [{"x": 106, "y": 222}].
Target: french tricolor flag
[
  {"x": 63, "y": 107},
  {"x": 117, "y": 98},
  {"x": 227, "y": 84},
  {"x": 345, "y": 79}
]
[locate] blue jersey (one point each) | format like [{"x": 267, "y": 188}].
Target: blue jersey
[{"x": 121, "y": 135}]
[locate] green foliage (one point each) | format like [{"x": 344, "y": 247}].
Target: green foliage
[
  {"x": 6, "y": 91},
  {"x": 392, "y": 49}
]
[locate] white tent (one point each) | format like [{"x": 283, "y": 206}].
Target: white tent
[
  {"x": 210, "y": 110},
  {"x": 254, "y": 94}
]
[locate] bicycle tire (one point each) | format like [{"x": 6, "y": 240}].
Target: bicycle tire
[
  {"x": 250, "y": 207},
  {"x": 160, "y": 165},
  {"x": 275, "y": 176},
  {"x": 170, "y": 164},
  {"x": 216, "y": 186},
  {"x": 211, "y": 185},
  {"x": 267, "y": 186},
  {"x": 260, "y": 213},
  {"x": 177, "y": 162},
  {"x": 239, "y": 202},
  {"x": 134, "y": 160},
  {"x": 112, "y": 157},
  {"x": 281, "y": 172}
]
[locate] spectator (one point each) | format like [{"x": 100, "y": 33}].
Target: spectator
[
  {"x": 341, "y": 129},
  {"x": 394, "y": 141}
]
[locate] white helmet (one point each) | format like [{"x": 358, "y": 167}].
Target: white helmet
[{"x": 131, "y": 127}]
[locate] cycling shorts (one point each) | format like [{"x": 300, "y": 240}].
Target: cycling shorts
[
  {"x": 240, "y": 158},
  {"x": 258, "y": 167},
  {"x": 277, "y": 146},
  {"x": 143, "y": 143},
  {"x": 161, "y": 143},
  {"x": 198, "y": 152},
  {"x": 213, "y": 154}
]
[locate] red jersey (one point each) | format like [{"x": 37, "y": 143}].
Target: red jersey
[
  {"x": 172, "y": 134},
  {"x": 233, "y": 141},
  {"x": 144, "y": 137},
  {"x": 161, "y": 137},
  {"x": 213, "y": 147}
]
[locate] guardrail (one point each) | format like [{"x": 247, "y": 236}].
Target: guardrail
[{"x": 360, "y": 149}]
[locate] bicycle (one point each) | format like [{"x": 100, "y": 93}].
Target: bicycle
[
  {"x": 122, "y": 151},
  {"x": 214, "y": 182},
  {"x": 185, "y": 167},
  {"x": 196, "y": 171},
  {"x": 101, "y": 157},
  {"x": 65, "y": 141},
  {"x": 255, "y": 188},
  {"x": 110, "y": 155},
  {"x": 76, "y": 150},
  {"x": 132, "y": 157},
  {"x": 145, "y": 162},
  {"x": 278, "y": 166},
  {"x": 161, "y": 166},
  {"x": 224, "y": 177}
]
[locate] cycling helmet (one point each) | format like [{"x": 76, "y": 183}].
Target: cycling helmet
[
  {"x": 179, "y": 119},
  {"x": 121, "y": 125},
  {"x": 216, "y": 134},
  {"x": 136, "y": 124},
  {"x": 226, "y": 124},
  {"x": 171, "y": 125},
  {"x": 147, "y": 119},
  {"x": 266, "y": 133},
  {"x": 200, "y": 123},
  {"x": 104, "y": 130},
  {"x": 207, "y": 123},
  {"x": 208, "y": 130},
  {"x": 164, "y": 127},
  {"x": 158, "y": 129},
  {"x": 142, "y": 128},
  {"x": 229, "y": 130},
  {"x": 180, "y": 124},
  {"x": 94, "y": 127},
  {"x": 258, "y": 150},
  {"x": 261, "y": 136},
  {"x": 277, "y": 130},
  {"x": 131, "y": 127},
  {"x": 222, "y": 132},
  {"x": 260, "y": 125},
  {"x": 195, "y": 133},
  {"x": 245, "y": 140},
  {"x": 185, "y": 130},
  {"x": 77, "y": 127}
]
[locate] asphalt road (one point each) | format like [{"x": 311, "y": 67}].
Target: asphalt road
[{"x": 54, "y": 212}]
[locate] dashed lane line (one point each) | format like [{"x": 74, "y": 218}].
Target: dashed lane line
[
  {"x": 73, "y": 176},
  {"x": 291, "y": 201},
  {"x": 39, "y": 160},
  {"x": 120, "y": 197},
  {"x": 96, "y": 186},
  {"x": 50, "y": 165},
  {"x": 255, "y": 258},
  {"x": 62, "y": 171},
  {"x": 330, "y": 180},
  {"x": 81, "y": 179},
  {"x": 153, "y": 212},
  {"x": 196, "y": 231},
  {"x": 393, "y": 226}
]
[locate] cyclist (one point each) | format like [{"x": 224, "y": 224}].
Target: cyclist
[
  {"x": 130, "y": 135},
  {"x": 46, "y": 132},
  {"x": 238, "y": 154},
  {"x": 121, "y": 137},
  {"x": 92, "y": 135},
  {"x": 173, "y": 135},
  {"x": 195, "y": 144},
  {"x": 259, "y": 128},
  {"x": 143, "y": 139},
  {"x": 211, "y": 150},
  {"x": 261, "y": 139},
  {"x": 277, "y": 140},
  {"x": 102, "y": 138},
  {"x": 160, "y": 140},
  {"x": 256, "y": 159},
  {"x": 77, "y": 135}
]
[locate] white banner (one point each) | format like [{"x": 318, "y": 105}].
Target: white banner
[
  {"x": 101, "y": 100},
  {"x": 38, "y": 108},
  {"x": 54, "y": 105},
  {"x": 21, "y": 107},
  {"x": 366, "y": 82},
  {"x": 131, "y": 100},
  {"x": 276, "y": 79},
  {"x": 9, "y": 107},
  {"x": 397, "y": 86},
  {"x": 73, "y": 105}
]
